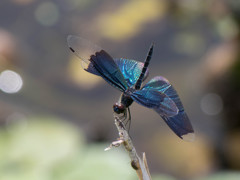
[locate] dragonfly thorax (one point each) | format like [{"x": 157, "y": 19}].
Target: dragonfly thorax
[{"x": 124, "y": 103}]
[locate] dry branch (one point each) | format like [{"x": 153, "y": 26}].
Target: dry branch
[{"x": 138, "y": 164}]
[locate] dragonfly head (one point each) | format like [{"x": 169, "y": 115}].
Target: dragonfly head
[{"x": 119, "y": 108}]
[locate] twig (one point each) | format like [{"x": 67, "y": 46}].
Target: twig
[{"x": 138, "y": 164}]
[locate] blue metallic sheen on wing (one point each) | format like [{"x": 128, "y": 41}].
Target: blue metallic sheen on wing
[
  {"x": 179, "y": 123},
  {"x": 156, "y": 100},
  {"x": 131, "y": 70}
]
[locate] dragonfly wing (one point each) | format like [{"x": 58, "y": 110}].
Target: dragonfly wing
[
  {"x": 131, "y": 70},
  {"x": 83, "y": 49},
  {"x": 156, "y": 100},
  {"x": 179, "y": 123},
  {"x": 97, "y": 61}
]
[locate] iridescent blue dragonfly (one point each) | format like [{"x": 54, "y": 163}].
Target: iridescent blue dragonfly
[{"x": 127, "y": 75}]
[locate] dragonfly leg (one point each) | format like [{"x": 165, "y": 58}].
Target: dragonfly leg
[
  {"x": 128, "y": 124},
  {"x": 127, "y": 119},
  {"x": 123, "y": 116}
]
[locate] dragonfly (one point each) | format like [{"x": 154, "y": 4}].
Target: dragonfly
[{"x": 127, "y": 75}]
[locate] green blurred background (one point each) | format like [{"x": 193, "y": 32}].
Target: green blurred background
[{"x": 56, "y": 119}]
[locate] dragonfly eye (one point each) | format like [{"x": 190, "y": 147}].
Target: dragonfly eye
[{"x": 118, "y": 108}]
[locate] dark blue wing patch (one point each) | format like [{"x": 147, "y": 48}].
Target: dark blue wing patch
[
  {"x": 156, "y": 100},
  {"x": 103, "y": 64},
  {"x": 179, "y": 123}
]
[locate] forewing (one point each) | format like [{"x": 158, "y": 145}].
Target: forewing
[
  {"x": 156, "y": 100},
  {"x": 131, "y": 70},
  {"x": 179, "y": 123},
  {"x": 83, "y": 49},
  {"x": 97, "y": 61}
]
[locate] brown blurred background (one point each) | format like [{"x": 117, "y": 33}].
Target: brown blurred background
[{"x": 53, "y": 113}]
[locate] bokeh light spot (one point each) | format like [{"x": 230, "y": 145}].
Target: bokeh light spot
[
  {"x": 47, "y": 14},
  {"x": 227, "y": 27},
  {"x": 10, "y": 81},
  {"x": 211, "y": 104}
]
